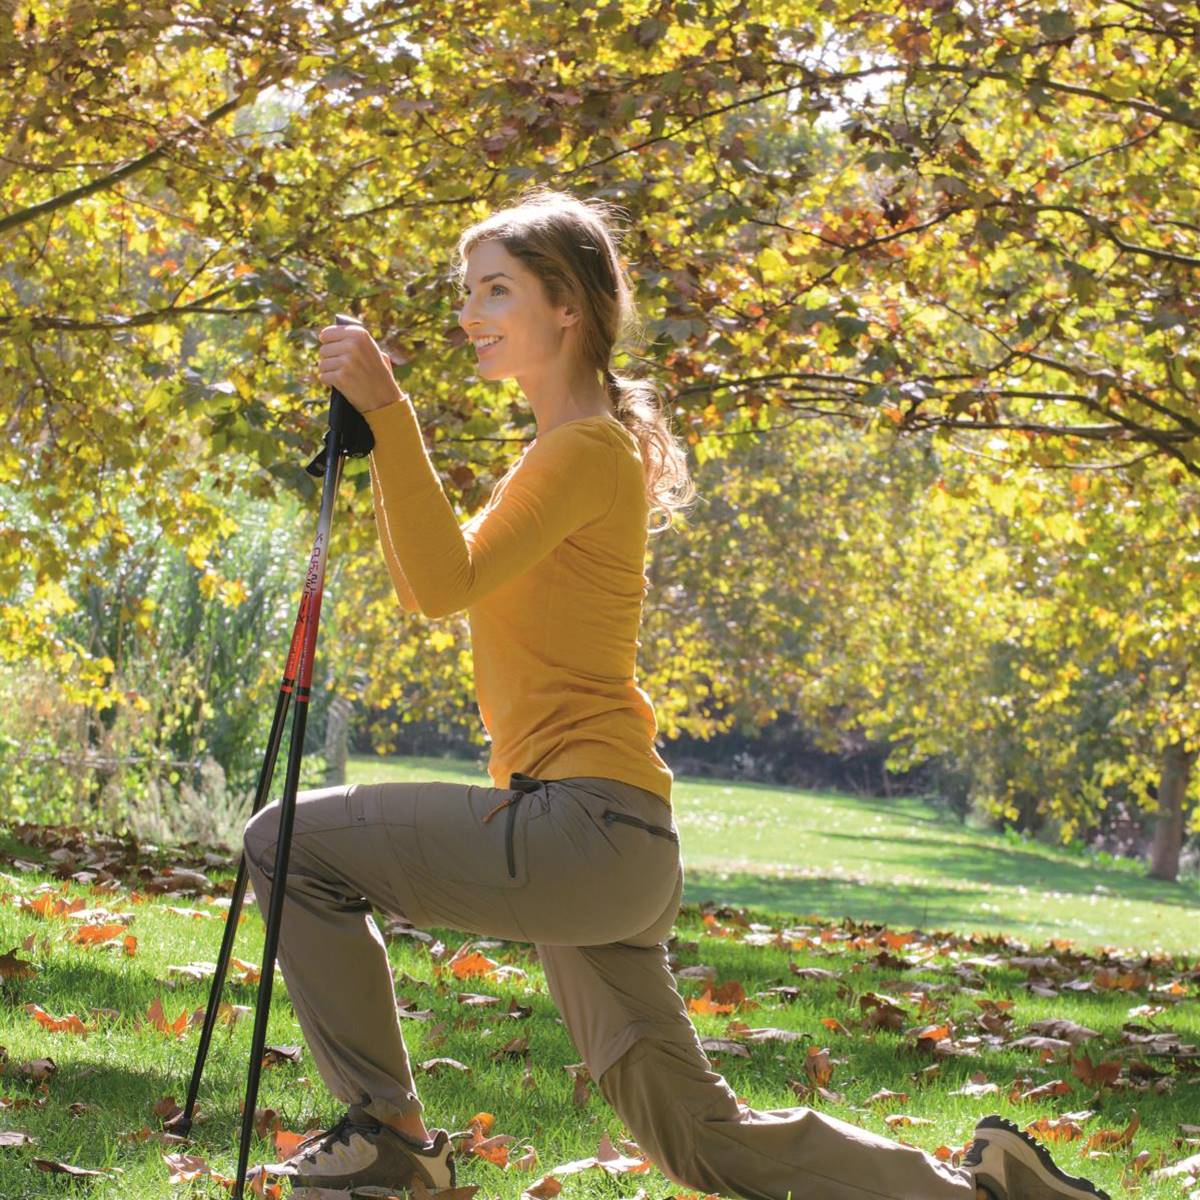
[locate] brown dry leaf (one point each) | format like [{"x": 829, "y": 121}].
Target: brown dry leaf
[
  {"x": 1134, "y": 1168},
  {"x": 979, "y": 1085},
  {"x": 835, "y": 1026},
  {"x": 36, "y": 1070},
  {"x": 474, "y": 999},
  {"x": 1095, "y": 1074},
  {"x": 1125, "y": 981},
  {"x": 607, "y": 1159},
  {"x": 12, "y": 967},
  {"x": 61, "y": 1168},
  {"x": 885, "y": 1097},
  {"x": 817, "y": 1066},
  {"x": 545, "y": 1188},
  {"x": 171, "y": 1113},
  {"x": 1046, "y": 1047},
  {"x": 432, "y": 1064},
  {"x": 1068, "y": 1031},
  {"x": 1055, "y": 1087},
  {"x": 146, "y": 1134},
  {"x": 722, "y": 999},
  {"x": 881, "y": 1011},
  {"x": 274, "y": 1056},
  {"x": 1187, "y": 1166},
  {"x": 1108, "y": 1139},
  {"x": 1054, "y": 1129},
  {"x": 15, "y": 1137},
  {"x": 185, "y": 1167},
  {"x": 583, "y": 1083},
  {"x": 900, "y": 1120}
]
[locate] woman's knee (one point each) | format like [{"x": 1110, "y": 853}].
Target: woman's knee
[{"x": 261, "y": 833}]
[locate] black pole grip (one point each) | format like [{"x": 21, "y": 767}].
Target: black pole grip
[{"x": 357, "y": 438}]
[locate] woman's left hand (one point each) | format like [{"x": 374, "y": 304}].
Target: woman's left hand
[{"x": 353, "y": 363}]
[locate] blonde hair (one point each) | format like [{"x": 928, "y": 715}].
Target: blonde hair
[{"x": 570, "y": 245}]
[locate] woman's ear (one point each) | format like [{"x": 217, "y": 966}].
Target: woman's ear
[{"x": 570, "y": 313}]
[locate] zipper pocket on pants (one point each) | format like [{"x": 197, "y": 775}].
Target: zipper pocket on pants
[
  {"x": 509, "y": 829},
  {"x": 610, "y": 815}
]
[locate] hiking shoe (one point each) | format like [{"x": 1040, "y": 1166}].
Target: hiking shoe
[
  {"x": 1011, "y": 1165},
  {"x": 363, "y": 1157}
]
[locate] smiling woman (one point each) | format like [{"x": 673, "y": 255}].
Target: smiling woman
[
  {"x": 586, "y": 861},
  {"x": 546, "y": 301}
]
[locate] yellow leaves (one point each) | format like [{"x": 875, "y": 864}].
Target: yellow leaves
[
  {"x": 166, "y": 339},
  {"x": 773, "y": 266},
  {"x": 197, "y": 551},
  {"x": 54, "y": 597},
  {"x": 439, "y": 639}
]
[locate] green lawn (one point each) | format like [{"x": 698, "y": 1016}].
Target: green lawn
[{"x": 801, "y": 862}]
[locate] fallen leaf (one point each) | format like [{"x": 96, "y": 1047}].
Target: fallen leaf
[{"x": 1107, "y": 1139}]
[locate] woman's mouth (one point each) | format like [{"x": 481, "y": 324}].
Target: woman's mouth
[{"x": 481, "y": 350}]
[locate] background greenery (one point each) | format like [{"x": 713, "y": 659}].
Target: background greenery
[{"x": 918, "y": 289}]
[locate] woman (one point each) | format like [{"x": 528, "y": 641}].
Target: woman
[{"x": 584, "y": 858}]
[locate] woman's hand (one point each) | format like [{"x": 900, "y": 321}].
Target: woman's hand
[{"x": 355, "y": 365}]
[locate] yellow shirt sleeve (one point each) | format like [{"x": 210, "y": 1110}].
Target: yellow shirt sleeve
[
  {"x": 566, "y": 478},
  {"x": 404, "y": 591}
]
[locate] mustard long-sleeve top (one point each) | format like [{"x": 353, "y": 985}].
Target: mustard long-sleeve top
[{"x": 551, "y": 574}]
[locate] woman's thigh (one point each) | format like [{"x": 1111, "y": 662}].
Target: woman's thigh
[{"x": 568, "y": 862}]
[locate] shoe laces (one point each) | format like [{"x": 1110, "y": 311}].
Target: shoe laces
[{"x": 318, "y": 1143}]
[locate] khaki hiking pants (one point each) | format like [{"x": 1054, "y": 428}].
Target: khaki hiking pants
[{"x": 588, "y": 869}]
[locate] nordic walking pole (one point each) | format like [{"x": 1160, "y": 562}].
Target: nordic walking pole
[
  {"x": 348, "y": 433},
  {"x": 183, "y": 1124}
]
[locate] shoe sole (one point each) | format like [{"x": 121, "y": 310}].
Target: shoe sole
[{"x": 1029, "y": 1151}]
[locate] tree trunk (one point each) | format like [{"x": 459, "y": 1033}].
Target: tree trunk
[
  {"x": 1168, "y": 825},
  {"x": 337, "y": 729}
]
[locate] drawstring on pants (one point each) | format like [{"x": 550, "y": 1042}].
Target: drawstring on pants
[{"x": 522, "y": 785}]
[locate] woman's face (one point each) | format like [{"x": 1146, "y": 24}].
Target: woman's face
[{"x": 502, "y": 298}]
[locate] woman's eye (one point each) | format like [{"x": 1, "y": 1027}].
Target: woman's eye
[{"x": 498, "y": 285}]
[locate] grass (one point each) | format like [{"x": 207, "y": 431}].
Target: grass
[{"x": 791, "y": 857}]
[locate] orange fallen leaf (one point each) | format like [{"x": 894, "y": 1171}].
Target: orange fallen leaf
[
  {"x": 472, "y": 964},
  {"x": 1095, "y": 1074},
  {"x": 1054, "y": 1129},
  {"x": 157, "y": 1018},
  {"x": 68, "y": 1024},
  {"x": 1107, "y": 1139},
  {"x": 817, "y": 1066},
  {"x": 89, "y": 935}
]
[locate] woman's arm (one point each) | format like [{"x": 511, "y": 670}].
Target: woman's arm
[
  {"x": 404, "y": 591},
  {"x": 567, "y": 478}
]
